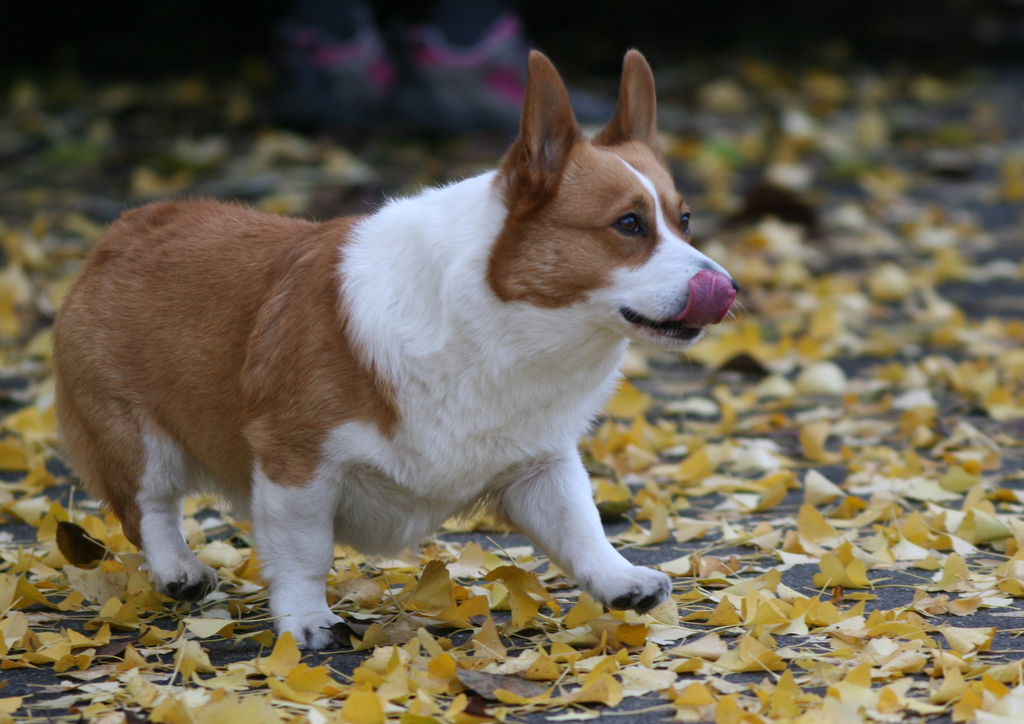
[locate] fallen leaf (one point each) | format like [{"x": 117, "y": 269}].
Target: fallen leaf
[{"x": 486, "y": 684}]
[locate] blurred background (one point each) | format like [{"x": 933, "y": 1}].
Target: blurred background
[
  {"x": 816, "y": 132},
  {"x": 160, "y": 37},
  {"x": 148, "y": 99}
]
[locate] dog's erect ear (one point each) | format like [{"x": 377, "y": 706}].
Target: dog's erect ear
[
  {"x": 636, "y": 113},
  {"x": 547, "y": 133}
]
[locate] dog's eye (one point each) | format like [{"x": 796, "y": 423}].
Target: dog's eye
[
  {"x": 684, "y": 222},
  {"x": 630, "y": 224}
]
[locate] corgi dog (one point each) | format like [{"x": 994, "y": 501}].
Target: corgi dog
[{"x": 362, "y": 380}]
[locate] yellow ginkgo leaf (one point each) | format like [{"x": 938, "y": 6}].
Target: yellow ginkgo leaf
[
  {"x": 783, "y": 698},
  {"x": 812, "y": 437},
  {"x": 523, "y": 586},
  {"x": 834, "y": 573},
  {"x": 362, "y": 707},
  {"x": 628, "y": 402},
  {"x": 586, "y": 609},
  {"x": 694, "y": 467},
  {"x": 191, "y": 658},
  {"x": 604, "y": 689},
  {"x": 750, "y": 656},
  {"x": 434, "y": 588},
  {"x": 812, "y": 526},
  {"x": 283, "y": 658},
  {"x": 819, "y": 490},
  {"x": 304, "y": 678}
]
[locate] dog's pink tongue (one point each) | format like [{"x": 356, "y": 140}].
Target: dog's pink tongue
[{"x": 711, "y": 295}]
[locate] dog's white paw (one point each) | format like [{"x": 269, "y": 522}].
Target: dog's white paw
[
  {"x": 184, "y": 579},
  {"x": 636, "y": 587},
  {"x": 311, "y": 630}
]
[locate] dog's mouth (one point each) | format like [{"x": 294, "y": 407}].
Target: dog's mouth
[
  {"x": 711, "y": 295},
  {"x": 669, "y": 327}
]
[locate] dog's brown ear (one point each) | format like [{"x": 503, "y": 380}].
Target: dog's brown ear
[
  {"x": 547, "y": 133},
  {"x": 636, "y": 113}
]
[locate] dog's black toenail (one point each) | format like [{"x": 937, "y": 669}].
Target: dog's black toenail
[
  {"x": 646, "y": 602},
  {"x": 185, "y": 591},
  {"x": 194, "y": 591},
  {"x": 622, "y": 602}
]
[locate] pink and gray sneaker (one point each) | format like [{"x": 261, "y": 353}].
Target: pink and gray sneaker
[
  {"x": 455, "y": 89},
  {"x": 351, "y": 85},
  {"x": 333, "y": 83}
]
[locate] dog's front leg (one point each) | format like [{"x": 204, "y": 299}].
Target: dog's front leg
[
  {"x": 554, "y": 507},
  {"x": 294, "y": 531}
]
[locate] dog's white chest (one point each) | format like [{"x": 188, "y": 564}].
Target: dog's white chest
[
  {"x": 390, "y": 494},
  {"x": 459, "y": 440}
]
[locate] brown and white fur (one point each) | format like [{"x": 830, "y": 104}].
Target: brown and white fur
[{"x": 360, "y": 381}]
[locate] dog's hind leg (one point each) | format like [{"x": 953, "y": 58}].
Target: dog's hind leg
[
  {"x": 294, "y": 530},
  {"x": 167, "y": 479},
  {"x": 139, "y": 472},
  {"x": 554, "y": 507}
]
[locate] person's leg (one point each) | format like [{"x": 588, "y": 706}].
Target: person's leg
[
  {"x": 465, "y": 22},
  {"x": 337, "y": 17}
]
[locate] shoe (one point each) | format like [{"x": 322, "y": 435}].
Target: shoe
[
  {"x": 327, "y": 82},
  {"x": 455, "y": 89}
]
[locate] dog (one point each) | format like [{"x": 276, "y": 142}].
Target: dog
[{"x": 362, "y": 380}]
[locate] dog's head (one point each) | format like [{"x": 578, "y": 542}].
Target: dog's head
[{"x": 599, "y": 222}]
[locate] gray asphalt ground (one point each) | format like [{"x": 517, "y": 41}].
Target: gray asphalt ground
[
  {"x": 667, "y": 372},
  {"x": 1003, "y": 298}
]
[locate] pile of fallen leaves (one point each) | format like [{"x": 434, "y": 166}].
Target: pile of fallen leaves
[{"x": 831, "y": 479}]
